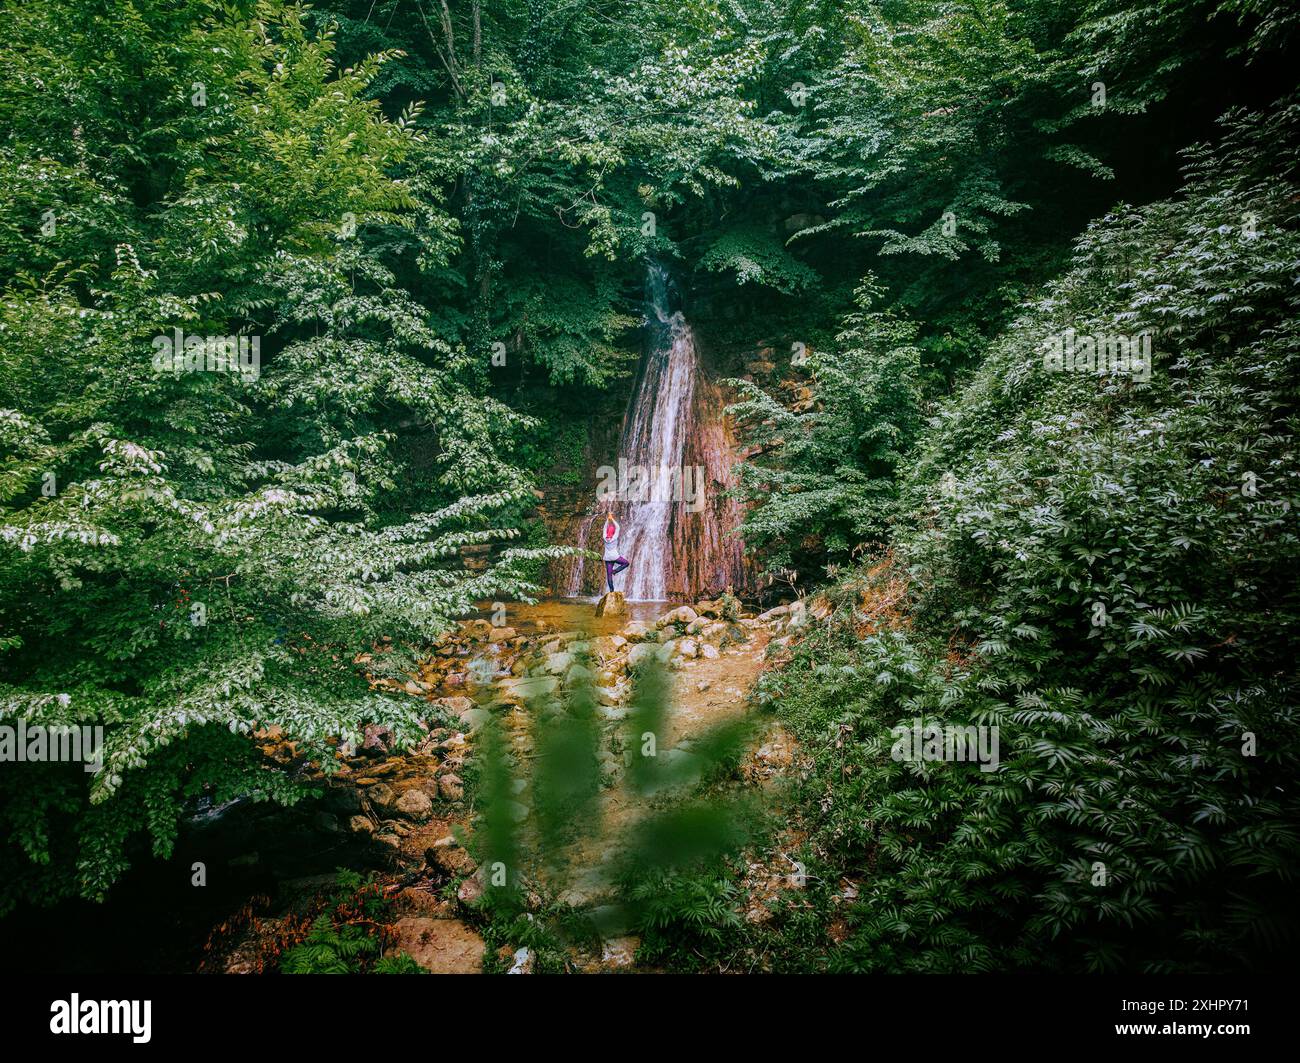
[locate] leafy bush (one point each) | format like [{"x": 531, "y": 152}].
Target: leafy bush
[
  {"x": 679, "y": 911},
  {"x": 187, "y": 556},
  {"x": 1143, "y": 816},
  {"x": 824, "y": 484}
]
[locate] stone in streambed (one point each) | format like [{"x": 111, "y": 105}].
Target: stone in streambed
[
  {"x": 476, "y": 718},
  {"x": 523, "y": 688},
  {"x": 441, "y": 946},
  {"x": 579, "y": 676},
  {"x": 558, "y": 663},
  {"x": 636, "y": 630},
  {"x": 612, "y": 604},
  {"x": 714, "y": 632},
  {"x": 377, "y": 738},
  {"x": 683, "y": 614},
  {"x": 644, "y": 652},
  {"x": 414, "y": 804},
  {"x": 477, "y": 630},
  {"x": 607, "y": 646},
  {"x": 458, "y": 706}
]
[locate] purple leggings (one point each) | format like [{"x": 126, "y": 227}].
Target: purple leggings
[{"x": 613, "y": 568}]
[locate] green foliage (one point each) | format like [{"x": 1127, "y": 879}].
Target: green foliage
[
  {"x": 330, "y": 949},
  {"x": 385, "y": 195},
  {"x": 347, "y": 937},
  {"x": 824, "y": 481},
  {"x": 191, "y": 555},
  {"x": 544, "y": 831},
  {"x": 1140, "y": 818},
  {"x": 754, "y": 255},
  {"x": 678, "y": 911}
]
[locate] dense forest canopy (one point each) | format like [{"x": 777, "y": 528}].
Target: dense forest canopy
[{"x": 302, "y": 305}]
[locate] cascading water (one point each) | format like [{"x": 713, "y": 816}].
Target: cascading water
[{"x": 672, "y": 471}]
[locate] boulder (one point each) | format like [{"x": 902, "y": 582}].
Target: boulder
[
  {"x": 578, "y": 675},
  {"x": 612, "y": 604},
  {"x": 607, "y": 646},
  {"x": 476, "y": 718},
  {"x": 558, "y": 663},
  {"x": 377, "y": 738},
  {"x": 477, "y": 630},
  {"x": 501, "y": 634},
  {"x": 414, "y": 804},
  {"x": 683, "y": 614},
  {"x": 458, "y": 706},
  {"x": 441, "y": 946},
  {"x": 708, "y": 652},
  {"x": 518, "y": 690},
  {"x": 451, "y": 787},
  {"x": 644, "y": 652},
  {"x": 635, "y": 630}
]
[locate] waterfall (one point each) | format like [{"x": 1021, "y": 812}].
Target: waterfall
[{"x": 674, "y": 519}]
